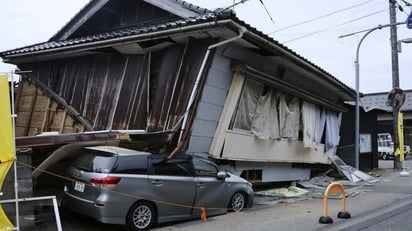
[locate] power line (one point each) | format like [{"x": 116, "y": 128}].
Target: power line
[
  {"x": 320, "y": 17},
  {"x": 401, "y": 8},
  {"x": 231, "y": 6},
  {"x": 341, "y": 24},
  {"x": 261, "y": 1},
  {"x": 406, "y": 3}
]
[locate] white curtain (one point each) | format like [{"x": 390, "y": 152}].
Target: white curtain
[
  {"x": 266, "y": 124},
  {"x": 309, "y": 115},
  {"x": 247, "y": 105},
  {"x": 320, "y": 125},
  {"x": 332, "y": 130},
  {"x": 289, "y": 117}
]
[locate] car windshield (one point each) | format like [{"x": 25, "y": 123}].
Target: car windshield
[{"x": 98, "y": 162}]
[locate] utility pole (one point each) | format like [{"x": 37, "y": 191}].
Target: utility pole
[{"x": 395, "y": 76}]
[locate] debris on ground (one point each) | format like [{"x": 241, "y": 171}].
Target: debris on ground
[
  {"x": 291, "y": 191},
  {"x": 353, "y": 180},
  {"x": 351, "y": 173}
]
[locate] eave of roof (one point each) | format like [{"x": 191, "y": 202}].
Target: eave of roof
[
  {"x": 122, "y": 35},
  {"x": 109, "y": 36}
]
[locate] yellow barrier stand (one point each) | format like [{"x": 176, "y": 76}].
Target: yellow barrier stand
[
  {"x": 334, "y": 187},
  {"x": 6, "y": 143}
]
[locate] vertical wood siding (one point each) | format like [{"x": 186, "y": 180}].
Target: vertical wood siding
[{"x": 110, "y": 91}]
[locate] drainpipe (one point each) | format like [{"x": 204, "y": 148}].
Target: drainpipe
[{"x": 242, "y": 31}]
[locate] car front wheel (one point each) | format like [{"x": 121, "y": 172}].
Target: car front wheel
[
  {"x": 141, "y": 216},
  {"x": 237, "y": 202}
]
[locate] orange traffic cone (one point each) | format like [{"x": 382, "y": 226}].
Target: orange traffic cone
[{"x": 203, "y": 215}]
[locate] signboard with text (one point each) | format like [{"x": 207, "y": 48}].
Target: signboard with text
[{"x": 409, "y": 21}]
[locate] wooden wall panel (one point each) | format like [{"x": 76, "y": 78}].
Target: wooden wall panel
[
  {"x": 108, "y": 91},
  {"x": 22, "y": 117},
  {"x": 131, "y": 113}
]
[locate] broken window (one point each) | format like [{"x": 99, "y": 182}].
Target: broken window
[{"x": 269, "y": 114}]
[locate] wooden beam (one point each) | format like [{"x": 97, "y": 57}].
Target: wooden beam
[
  {"x": 45, "y": 123},
  {"x": 71, "y": 110},
  {"x": 30, "y": 113},
  {"x": 39, "y": 141},
  {"x": 63, "y": 122}
]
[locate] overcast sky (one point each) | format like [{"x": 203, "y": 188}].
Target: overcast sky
[{"x": 25, "y": 22}]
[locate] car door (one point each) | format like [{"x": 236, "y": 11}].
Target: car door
[
  {"x": 210, "y": 191},
  {"x": 173, "y": 187}
]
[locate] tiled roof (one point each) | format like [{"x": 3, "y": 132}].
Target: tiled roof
[
  {"x": 110, "y": 35},
  {"x": 378, "y": 101},
  {"x": 141, "y": 30},
  {"x": 192, "y": 7}
]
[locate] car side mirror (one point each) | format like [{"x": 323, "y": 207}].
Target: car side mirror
[{"x": 221, "y": 175}]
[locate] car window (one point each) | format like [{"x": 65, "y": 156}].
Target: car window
[
  {"x": 172, "y": 168},
  {"x": 131, "y": 165},
  {"x": 99, "y": 162},
  {"x": 204, "y": 168}
]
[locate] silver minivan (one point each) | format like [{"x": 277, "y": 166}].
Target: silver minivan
[{"x": 138, "y": 189}]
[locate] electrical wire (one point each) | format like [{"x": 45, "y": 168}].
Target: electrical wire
[
  {"x": 261, "y": 1},
  {"x": 320, "y": 17},
  {"x": 332, "y": 27},
  {"x": 400, "y": 8},
  {"x": 231, "y": 6},
  {"x": 406, "y": 3}
]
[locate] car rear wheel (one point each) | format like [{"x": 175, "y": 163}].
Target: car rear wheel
[
  {"x": 237, "y": 202},
  {"x": 141, "y": 216}
]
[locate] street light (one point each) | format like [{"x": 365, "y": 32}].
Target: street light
[
  {"x": 357, "y": 84},
  {"x": 408, "y": 40}
]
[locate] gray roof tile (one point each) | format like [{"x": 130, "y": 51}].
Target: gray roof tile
[{"x": 378, "y": 101}]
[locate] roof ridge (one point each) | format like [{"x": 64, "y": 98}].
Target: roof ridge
[{"x": 193, "y": 7}]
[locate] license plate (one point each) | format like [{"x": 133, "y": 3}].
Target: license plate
[{"x": 79, "y": 186}]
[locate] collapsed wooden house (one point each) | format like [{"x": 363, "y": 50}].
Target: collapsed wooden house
[{"x": 170, "y": 76}]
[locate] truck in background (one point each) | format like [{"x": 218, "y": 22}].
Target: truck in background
[{"x": 386, "y": 146}]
